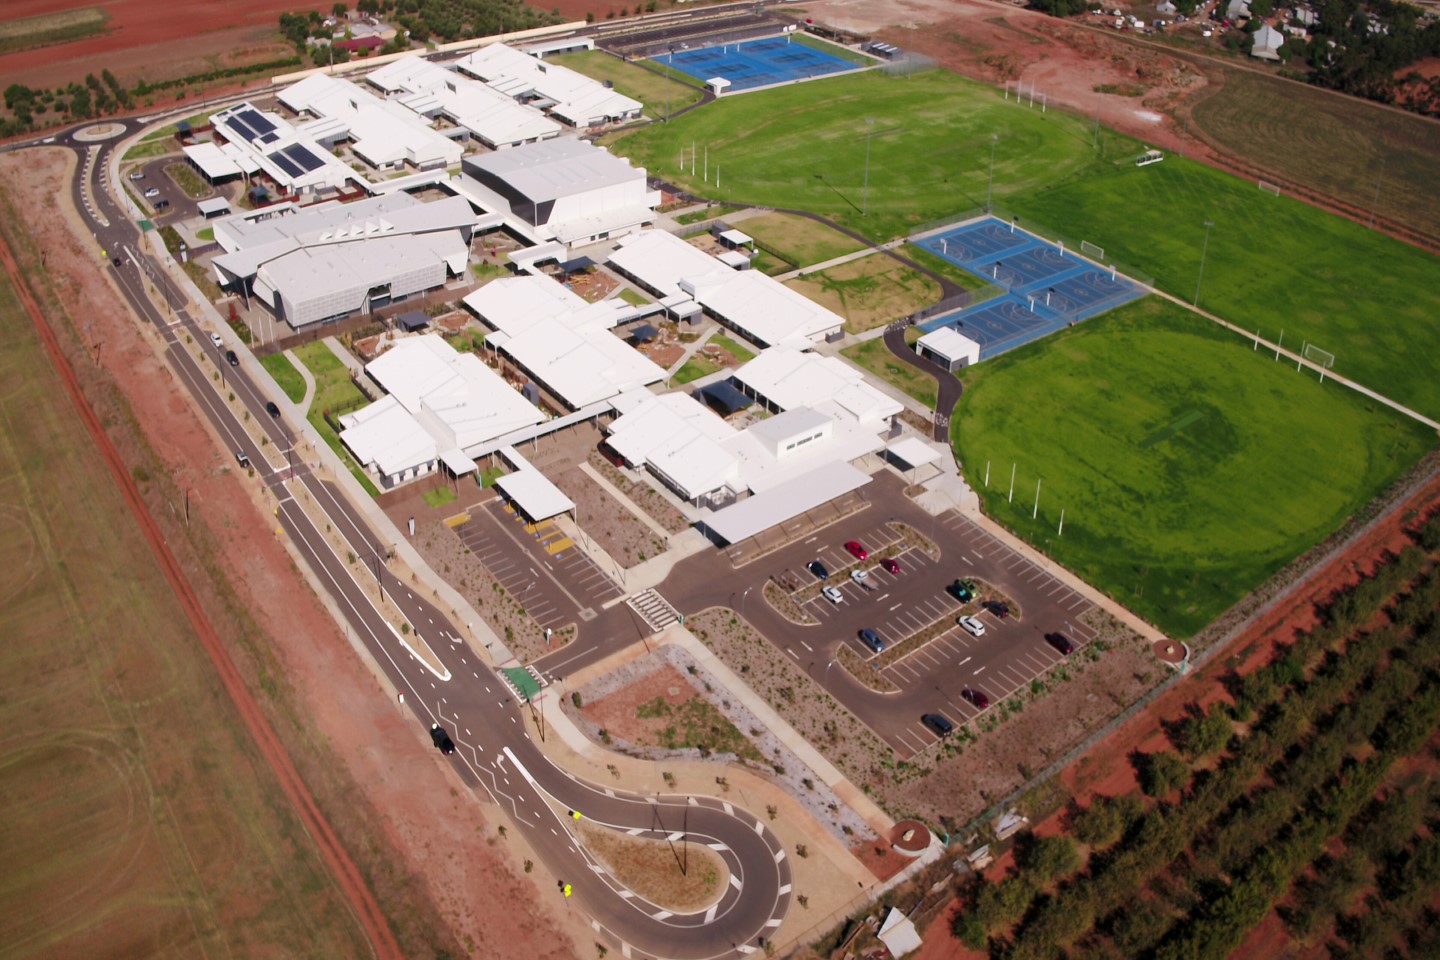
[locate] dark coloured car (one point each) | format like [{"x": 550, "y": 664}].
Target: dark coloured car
[
  {"x": 856, "y": 551},
  {"x": 231, "y": 356},
  {"x": 976, "y": 698},
  {"x": 271, "y": 409},
  {"x": 938, "y": 724},
  {"x": 818, "y": 568},
  {"x": 960, "y": 592},
  {"x": 161, "y": 204},
  {"x": 116, "y": 262},
  {"x": 1060, "y": 642},
  {"x": 1001, "y": 610},
  {"x": 441, "y": 739},
  {"x": 890, "y": 565},
  {"x": 872, "y": 640}
]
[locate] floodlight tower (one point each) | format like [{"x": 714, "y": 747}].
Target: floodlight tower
[
  {"x": 989, "y": 185},
  {"x": 865, "y": 190},
  {"x": 1204, "y": 248}
]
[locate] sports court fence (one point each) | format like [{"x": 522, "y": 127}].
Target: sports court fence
[
  {"x": 908, "y": 65},
  {"x": 959, "y": 302}
]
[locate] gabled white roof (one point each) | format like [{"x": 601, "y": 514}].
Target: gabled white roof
[
  {"x": 218, "y": 161},
  {"x": 950, "y": 344},
  {"x": 492, "y": 116},
  {"x": 660, "y": 260},
  {"x": 681, "y": 439},
  {"x": 577, "y": 98},
  {"x": 387, "y": 436},
  {"x": 383, "y": 132},
  {"x": 789, "y": 378},
  {"x": 532, "y": 490},
  {"x": 554, "y": 169}
]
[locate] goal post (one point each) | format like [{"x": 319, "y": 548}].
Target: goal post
[
  {"x": 1323, "y": 359},
  {"x": 1268, "y": 187},
  {"x": 1092, "y": 251}
]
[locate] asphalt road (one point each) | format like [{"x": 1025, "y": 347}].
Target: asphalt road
[{"x": 495, "y": 750}]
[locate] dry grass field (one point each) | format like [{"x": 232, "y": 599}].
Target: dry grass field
[{"x": 139, "y": 819}]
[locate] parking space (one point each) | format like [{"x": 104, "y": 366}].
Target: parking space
[
  {"x": 537, "y": 565},
  {"x": 982, "y": 548}
]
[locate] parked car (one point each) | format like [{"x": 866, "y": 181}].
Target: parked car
[
  {"x": 856, "y": 551},
  {"x": 138, "y": 175},
  {"x": 890, "y": 566},
  {"x": 972, "y": 626},
  {"x": 161, "y": 204},
  {"x": 152, "y": 193},
  {"x": 441, "y": 738},
  {"x": 832, "y": 594},
  {"x": 975, "y": 698},
  {"x": 1060, "y": 642},
  {"x": 960, "y": 591},
  {"x": 872, "y": 640},
  {"x": 232, "y": 358},
  {"x": 999, "y": 608},
  {"x": 859, "y": 576},
  {"x": 938, "y": 724},
  {"x": 818, "y": 568},
  {"x": 215, "y": 339},
  {"x": 271, "y": 409}
]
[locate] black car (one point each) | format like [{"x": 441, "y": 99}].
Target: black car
[
  {"x": 230, "y": 356},
  {"x": 271, "y": 409},
  {"x": 960, "y": 592},
  {"x": 1060, "y": 642},
  {"x": 872, "y": 640},
  {"x": 116, "y": 262},
  {"x": 818, "y": 568},
  {"x": 999, "y": 608},
  {"x": 161, "y": 204},
  {"x": 938, "y": 724},
  {"x": 976, "y": 698},
  {"x": 441, "y": 739}
]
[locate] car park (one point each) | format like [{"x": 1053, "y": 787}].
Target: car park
[
  {"x": 890, "y": 565},
  {"x": 859, "y": 576},
  {"x": 856, "y": 550},
  {"x": 1060, "y": 642},
  {"x": 872, "y": 640},
  {"x": 215, "y": 339},
  {"x": 441, "y": 738},
  {"x": 976, "y": 698},
  {"x": 271, "y": 409},
  {"x": 971, "y": 626},
  {"x": 832, "y": 594},
  {"x": 938, "y": 724},
  {"x": 232, "y": 358},
  {"x": 152, "y": 193},
  {"x": 818, "y": 568}
]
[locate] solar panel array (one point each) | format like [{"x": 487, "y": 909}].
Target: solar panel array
[
  {"x": 252, "y": 126},
  {"x": 296, "y": 160}
]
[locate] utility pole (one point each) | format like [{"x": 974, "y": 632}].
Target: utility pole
[
  {"x": 1204, "y": 248},
  {"x": 994, "y": 139},
  {"x": 865, "y": 190}
]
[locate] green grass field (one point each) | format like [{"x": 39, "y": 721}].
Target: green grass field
[
  {"x": 1189, "y": 467},
  {"x": 803, "y": 147},
  {"x": 286, "y": 377},
  {"x": 47, "y": 29},
  {"x": 634, "y": 81},
  {"x": 1272, "y": 263},
  {"x": 333, "y": 391},
  {"x": 875, "y": 357},
  {"x": 798, "y": 240}
]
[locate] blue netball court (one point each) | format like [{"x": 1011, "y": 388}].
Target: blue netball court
[
  {"x": 758, "y": 63},
  {"x": 1046, "y": 288}
]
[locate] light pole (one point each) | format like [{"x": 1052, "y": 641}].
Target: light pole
[
  {"x": 825, "y": 677},
  {"x": 994, "y": 139},
  {"x": 1204, "y": 248},
  {"x": 865, "y": 190},
  {"x": 667, "y": 86}
]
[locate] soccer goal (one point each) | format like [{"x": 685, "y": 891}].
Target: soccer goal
[
  {"x": 1093, "y": 252},
  {"x": 1323, "y": 359},
  {"x": 1269, "y": 187}
]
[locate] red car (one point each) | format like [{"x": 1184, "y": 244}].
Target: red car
[
  {"x": 890, "y": 565},
  {"x": 856, "y": 551},
  {"x": 975, "y": 698}
]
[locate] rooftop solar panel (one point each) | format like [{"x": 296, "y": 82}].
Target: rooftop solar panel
[
  {"x": 256, "y": 122},
  {"x": 285, "y": 163},
  {"x": 302, "y": 157},
  {"x": 241, "y": 128}
]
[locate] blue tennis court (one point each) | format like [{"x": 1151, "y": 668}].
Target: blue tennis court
[
  {"x": 1046, "y": 288},
  {"x": 757, "y": 63}
]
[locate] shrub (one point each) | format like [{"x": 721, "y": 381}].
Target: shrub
[{"x": 1162, "y": 772}]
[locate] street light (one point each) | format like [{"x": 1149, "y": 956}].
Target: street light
[
  {"x": 865, "y": 190},
  {"x": 1204, "y": 248},
  {"x": 994, "y": 139},
  {"x": 667, "y": 86},
  {"x": 742, "y": 600}
]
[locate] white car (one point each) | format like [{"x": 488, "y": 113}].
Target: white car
[
  {"x": 152, "y": 193},
  {"x": 972, "y": 626},
  {"x": 138, "y": 175},
  {"x": 832, "y": 594},
  {"x": 859, "y": 576},
  {"x": 215, "y": 339}
]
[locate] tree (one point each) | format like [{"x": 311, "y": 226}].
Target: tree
[
  {"x": 1050, "y": 858},
  {"x": 339, "y": 10},
  {"x": 1207, "y": 733},
  {"x": 1162, "y": 772},
  {"x": 368, "y": 7},
  {"x": 1107, "y": 819},
  {"x": 968, "y": 930}
]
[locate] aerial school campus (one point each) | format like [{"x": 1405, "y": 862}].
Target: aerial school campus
[{"x": 944, "y": 430}]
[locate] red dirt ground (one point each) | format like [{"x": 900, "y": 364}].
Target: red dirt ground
[
  {"x": 446, "y": 837},
  {"x": 1107, "y": 769},
  {"x": 142, "y": 37}
]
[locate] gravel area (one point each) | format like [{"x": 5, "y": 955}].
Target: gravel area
[
  {"x": 662, "y": 511},
  {"x": 614, "y": 528}
]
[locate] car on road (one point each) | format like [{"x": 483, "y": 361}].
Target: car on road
[
  {"x": 872, "y": 640},
  {"x": 856, "y": 551},
  {"x": 832, "y": 594},
  {"x": 271, "y": 409},
  {"x": 971, "y": 626},
  {"x": 999, "y": 608},
  {"x": 441, "y": 738},
  {"x": 859, "y": 576},
  {"x": 976, "y": 698},
  {"x": 152, "y": 193},
  {"x": 138, "y": 175},
  {"x": 938, "y": 724},
  {"x": 116, "y": 262},
  {"x": 233, "y": 359},
  {"x": 161, "y": 204},
  {"x": 818, "y": 568},
  {"x": 215, "y": 339},
  {"x": 890, "y": 566},
  {"x": 242, "y": 460},
  {"x": 1060, "y": 642}
]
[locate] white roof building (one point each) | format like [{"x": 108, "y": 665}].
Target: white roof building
[
  {"x": 949, "y": 347},
  {"x": 787, "y": 379},
  {"x": 382, "y": 133},
  {"x": 330, "y": 259},
  {"x": 564, "y": 342},
  {"x": 221, "y": 161},
  {"x": 568, "y": 190},
  {"x": 569, "y": 96},
  {"x": 441, "y": 405},
  {"x": 1267, "y": 43},
  {"x": 761, "y": 308},
  {"x": 899, "y": 934},
  {"x": 274, "y": 147},
  {"x": 489, "y": 115}
]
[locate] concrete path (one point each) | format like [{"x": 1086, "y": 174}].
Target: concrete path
[
  {"x": 307, "y": 376},
  {"x": 838, "y": 261},
  {"x": 624, "y": 501},
  {"x": 352, "y": 363}
]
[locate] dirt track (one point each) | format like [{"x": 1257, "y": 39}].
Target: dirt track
[{"x": 347, "y": 875}]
